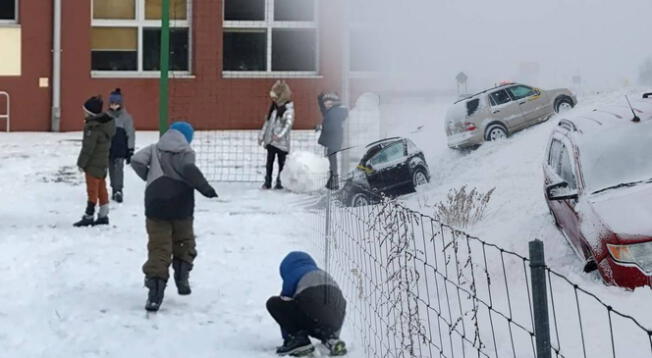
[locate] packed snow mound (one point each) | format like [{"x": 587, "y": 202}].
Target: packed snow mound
[{"x": 305, "y": 172}]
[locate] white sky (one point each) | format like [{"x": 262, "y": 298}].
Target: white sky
[{"x": 604, "y": 41}]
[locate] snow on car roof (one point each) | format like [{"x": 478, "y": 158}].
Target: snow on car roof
[{"x": 604, "y": 117}]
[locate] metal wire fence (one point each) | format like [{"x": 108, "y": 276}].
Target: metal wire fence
[
  {"x": 234, "y": 155},
  {"x": 419, "y": 288}
]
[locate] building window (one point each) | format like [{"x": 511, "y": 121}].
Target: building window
[
  {"x": 270, "y": 38},
  {"x": 125, "y": 36},
  {"x": 8, "y": 11}
]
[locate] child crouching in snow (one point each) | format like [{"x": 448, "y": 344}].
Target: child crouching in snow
[
  {"x": 310, "y": 304},
  {"x": 172, "y": 178}
]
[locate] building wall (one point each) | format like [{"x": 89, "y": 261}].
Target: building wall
[
  {"x": 207, "y": 100},
  {"x": 30, "y": 104}
]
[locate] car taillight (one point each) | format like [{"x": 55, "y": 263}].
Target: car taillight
[
  {"x": 637, "y": 254},
  {"x": 469, "y": 126}
]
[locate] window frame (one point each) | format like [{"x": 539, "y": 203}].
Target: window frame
[
  {"x": 269, "y": 24},
  {"x": 514, "y": 98},
  {"x": 16, "y": 19},
  {"x": 141, "y": 23},
  {"x": 494, "y": 103},
  {"x": 565, "y": 153},
  {"x": 400, "y": 145}
]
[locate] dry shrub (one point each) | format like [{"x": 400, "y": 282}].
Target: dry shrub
[{"x": 462, "y": 207}]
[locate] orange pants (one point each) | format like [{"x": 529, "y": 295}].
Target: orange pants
[{"x": 96, "y": 189}]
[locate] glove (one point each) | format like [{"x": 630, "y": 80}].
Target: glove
[
  {"x": 130, "y": 153},
  {"x": 211, "y": 193}
]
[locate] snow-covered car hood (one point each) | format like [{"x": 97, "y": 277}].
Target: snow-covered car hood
[{"x": 626, "y": 212}]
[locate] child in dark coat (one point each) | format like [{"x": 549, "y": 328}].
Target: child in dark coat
[
  {"x": 310, "y": 305},
  {"x": 172, "y": 178},
  {"x": 93, "y": 161}
]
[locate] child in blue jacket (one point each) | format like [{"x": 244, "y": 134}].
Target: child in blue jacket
[{"x": 310, "y": 305}]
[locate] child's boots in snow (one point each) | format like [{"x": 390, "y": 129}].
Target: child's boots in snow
[
  {"x": 181, "y": 274},
  {"x": 156, "y": 288},
  {"x": 87, "y": 219},
  {"x": 297, "y": 345}
]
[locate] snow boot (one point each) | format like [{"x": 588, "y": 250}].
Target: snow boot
[
  {"x": 181, "y": 274},
  {"x": 87, "y": 219},
  {"x": 297, "y": 345},
  {"x": 336, "y": 347},
  {"x": 117, "y": 196},
  {"x": 278, "y": 185},
  {"x": 268, "y": 183},
  {"x": 156, "y": 288},
  {"x": 102, "y": 216}
]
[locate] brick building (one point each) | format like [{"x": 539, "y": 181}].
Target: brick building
[{"x": 225, "y": 55}]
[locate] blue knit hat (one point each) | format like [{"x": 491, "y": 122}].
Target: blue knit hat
[
  {"x": 116, "y": 97},
  {"x": 185, "y": 128}
]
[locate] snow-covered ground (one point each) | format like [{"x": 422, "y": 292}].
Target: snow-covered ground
[
  {"x": 78, "y": 292},
  {"x": 517, "y": 212},
  {"x": 68, "y": 292}
]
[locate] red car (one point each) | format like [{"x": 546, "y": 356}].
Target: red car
[{"x": 598, "y": 185}]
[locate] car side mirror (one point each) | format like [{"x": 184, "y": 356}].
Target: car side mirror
[
  {"x": 537, "y": 92},
  {"x": 560, "y": 191}
]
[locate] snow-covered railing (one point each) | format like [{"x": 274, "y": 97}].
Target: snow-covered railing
[{"x": 419, "y": 288}]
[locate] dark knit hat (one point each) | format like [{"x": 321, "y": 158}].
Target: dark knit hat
[
  {"x": 94, "y": 105},
  {"x": 116, "y": 96}
]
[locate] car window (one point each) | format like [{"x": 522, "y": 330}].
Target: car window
[
  {"x": 389, "y": 154},
  {"x": 472, "y": 106},
  {"x": 566, "y": 168},
  {"x": 499, "y": 97},
  {"x": 553, "y": 156},
  {"x": 521, "y": 91}
]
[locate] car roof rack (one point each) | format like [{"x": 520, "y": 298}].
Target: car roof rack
[
  {"x": 566, "y": 124},
  {"x": 382, "y": 141},
  {"x": 647, "y": 95}
]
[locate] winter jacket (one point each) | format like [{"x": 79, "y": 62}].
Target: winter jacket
[
  {"x": 94, "y": 154},
  {"x": 332, "y": 128},
  {"x": 320, "y": 296},
  {"x": 278, "y": 123},
  {"x": 172, "y": 176},
  {"x": 124, "y": 139}
]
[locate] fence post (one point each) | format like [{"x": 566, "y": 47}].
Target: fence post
[
  {"x": 540, "y": 299},
  {"x": 327, "y": 236}
]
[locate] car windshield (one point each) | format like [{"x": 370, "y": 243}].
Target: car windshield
[
  {"x": 389, "y": 154},
  {"x": 617, "y": 157}
]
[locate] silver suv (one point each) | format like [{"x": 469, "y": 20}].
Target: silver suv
[{"x": 500, "y": 111}]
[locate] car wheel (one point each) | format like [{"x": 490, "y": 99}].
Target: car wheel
[
  {"x": 419, "y": 178},
  {"x": 496, "y": 132},
  {"x": 360, "y": 199},
  {"x": 564, "y": 105}
]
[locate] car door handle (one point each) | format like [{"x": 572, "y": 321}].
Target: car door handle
[
  {"x": 522, "y": 103},
  {"x": 496, "y": 111}
]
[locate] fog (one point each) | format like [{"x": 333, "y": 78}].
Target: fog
[{"x": 424, "y": 44}]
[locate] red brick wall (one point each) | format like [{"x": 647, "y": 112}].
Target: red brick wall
[
  {"x": 30, "y": 105},
  {"x": 207, "y": 100}
]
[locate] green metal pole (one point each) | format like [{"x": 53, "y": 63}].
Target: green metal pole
[{"x": 164, "y": 96}]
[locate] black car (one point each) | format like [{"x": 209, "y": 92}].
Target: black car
[{"x": 391, "y": 167}]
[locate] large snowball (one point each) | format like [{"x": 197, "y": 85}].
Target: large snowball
[{"x": 305, "y": 172}]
